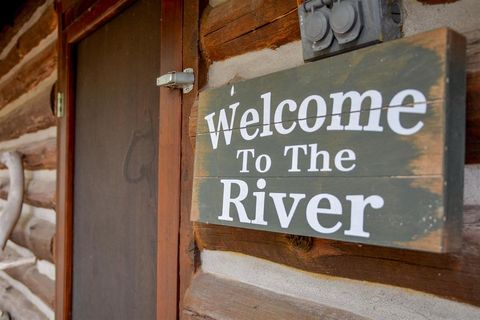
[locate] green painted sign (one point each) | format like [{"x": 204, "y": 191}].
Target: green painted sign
[{"x": 366, "y": 147}]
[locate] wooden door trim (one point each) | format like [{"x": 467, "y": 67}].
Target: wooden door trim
[
  {"x": 75, "y": 24},
  {"x": 169, "y": 166}
]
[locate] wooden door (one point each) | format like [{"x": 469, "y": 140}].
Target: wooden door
[
  {"x": 115, "y": 187},
  {"x": 119, "y": 160}
]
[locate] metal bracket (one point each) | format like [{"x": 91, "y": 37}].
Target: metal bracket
[
  {"x": 60, "y": 105},
  {"x": 178, "y": 80}
]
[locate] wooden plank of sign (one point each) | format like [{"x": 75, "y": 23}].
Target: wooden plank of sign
[
  {"x": 420, "y": 154},
  {"x": 418, "y": 61},
  {"x": 416, "y": 178}
]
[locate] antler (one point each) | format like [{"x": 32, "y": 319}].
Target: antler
[{"x": 13, "y": 208}]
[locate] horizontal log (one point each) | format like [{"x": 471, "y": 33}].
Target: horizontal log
[
  {"x": 33, "y": 115},
  {"x": 455, "y": 276},
  {"x": 40, "y": 285},
  {"x": 15, "y": 303},
  {"x": 38, "y": 155},
  {"x": 214, "y": 298},
  {"x": 37, "y": 193},
  {"x": 236, "y": 27},
  {"x": 29, "y": 40},
  {"x": 35, "y": 234},
  {"x": 9, "y": 31},
  {"x": 29, "y": 76}
]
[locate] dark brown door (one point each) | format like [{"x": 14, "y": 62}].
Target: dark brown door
[{"x": 115, "y": 167}]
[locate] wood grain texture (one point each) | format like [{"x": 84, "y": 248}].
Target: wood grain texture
[
  {"x": 29, "y": 75},
  {"x": 455, "y": 276},
  {"x": 64, "y": 191},
  {"x": 189, "y": 257},
  {"x": 405, "y": 171},
  {"x": 10, "y": 31},
  {"x": 37, "y": 193},
  {"x": 115, "y": 192},
  {"x": 33, "y": 115},
  {"x": 38, "y": 155},
  {"x": 82, "y": 20},
  {"x": 169, "y": 163},
  {"x": 84, "y": 16},
  {"x": 214, "y": 298},
  {"x": 35, "y": 234},
  {"x": 29, "y": 40},
  {"x": 235, "y": 18},
  {"x": 40, "y": 285},
  {"x": 235, "y": 27}
]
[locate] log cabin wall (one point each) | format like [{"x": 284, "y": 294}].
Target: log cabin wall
[
  {"x": 28, "y": 72},
  {"x": 248, "y": 274}
]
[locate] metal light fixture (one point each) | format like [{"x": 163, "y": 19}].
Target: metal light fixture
[{"x": 329, "y": 27}]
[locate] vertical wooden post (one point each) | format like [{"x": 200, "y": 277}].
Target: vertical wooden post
[{"x": 169, "y": 163}]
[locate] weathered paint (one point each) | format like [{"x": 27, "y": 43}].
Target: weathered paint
[{"x": 415, "y": 174}]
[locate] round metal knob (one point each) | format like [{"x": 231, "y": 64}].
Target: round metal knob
[
  {"x": 343, "y": 17},
  {"x": 316, "y": 26}
]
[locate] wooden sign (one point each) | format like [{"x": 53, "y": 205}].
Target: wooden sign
[{"x": 366, "y": 147}]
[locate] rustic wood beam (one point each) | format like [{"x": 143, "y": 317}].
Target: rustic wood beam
[
  {"x": 236, "y": 27},
  {"x": 37, "y": 193},
  {"x": 40, "y": 285},
  {"x": 27, "y": 11},
  {"x": 29, "y": 76},
  {"x": 454, "y": 275},
  {"x": 189, "y": 257},
  {"x": 33, "y": 115},
  {"x": 211, "y": 297},
  {"x": 40, "y": 155},
  {"x": 14, "y": 302},
  {"x": 35, "y": 234},
  {"x": 29, "y": 40}
]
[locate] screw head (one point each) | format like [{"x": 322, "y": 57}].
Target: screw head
[{"x": 343, "y": 17}]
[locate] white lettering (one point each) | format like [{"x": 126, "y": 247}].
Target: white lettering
[
  {"x": 278, "y": 117},
  {"x": 345, "y": 155},
  {"x": 283, "y": 217},
  {"x": 244, "y": 153},
  {"x": 320, "y": 116},
  {"x": 245, "y": 122},
  {"x": 358, "y": 211},
  {"x": 267, "y": 104},
  {"x": 237, "y": 201},
  {"x": 335, "y": 208},
  {"x": 260, "y": 204},
  {"x": 395, "y": 109},
  {"x": 221, "y": 126},
  {"x": 355, "y": 108},
  {"x": 294, "y": 162}
]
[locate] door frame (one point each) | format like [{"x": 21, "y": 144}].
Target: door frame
[{"x": 77, "y": 19}]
